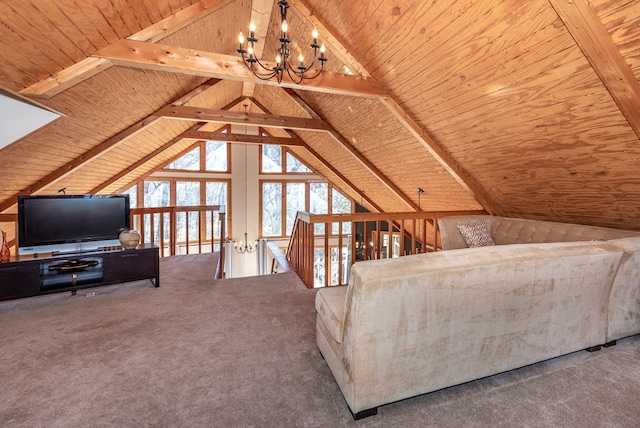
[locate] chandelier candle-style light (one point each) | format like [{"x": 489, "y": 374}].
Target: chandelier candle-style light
[
  {"x": 297, "y": 73},
  {"x": 246, "y": 247}
]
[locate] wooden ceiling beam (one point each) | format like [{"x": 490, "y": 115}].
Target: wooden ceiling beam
[
  {"x": 260, "y": 16},
  {"x": 91, "y": 66},
  {"x": 157, "y": 152},
  {"x": 597, "y": 45},
  {"x": 242, "y": 138},
  {"x": 152, "y": 56},
  {"x": 359, "y": 156},
  {"x": 241, "y": 118},
  {"x": 64, "y": 79}
]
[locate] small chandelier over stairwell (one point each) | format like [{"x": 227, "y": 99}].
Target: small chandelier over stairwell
[
  {"x": 297, "y": 73},
  {"x": 246, "y": 247}
]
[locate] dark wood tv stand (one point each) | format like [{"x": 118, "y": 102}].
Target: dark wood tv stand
[{"x": 26, "y": 276}]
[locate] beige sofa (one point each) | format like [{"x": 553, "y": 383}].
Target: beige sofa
[
  {"x": 507, "y": 230},
  {"x": 415, "y": 324}
]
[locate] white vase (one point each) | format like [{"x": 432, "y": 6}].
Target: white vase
[{"x": 129, "y": 239}]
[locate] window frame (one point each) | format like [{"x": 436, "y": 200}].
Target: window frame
[
  {"x": 202, "y": 146},
  {"x": 307, "y": 203},
  {"x": 284, "y": 152}
]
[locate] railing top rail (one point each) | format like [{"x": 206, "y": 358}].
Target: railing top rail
[
  {"x": 279, "y": 256},
  {"x": 357, "y": 217},
  {"x": 178, "y": 209},
  {"x": 304, "y": 216},
  {"x": 8, "y": 218}
]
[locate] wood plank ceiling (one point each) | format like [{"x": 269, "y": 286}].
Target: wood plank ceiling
[{"x": 526, "y": 109}]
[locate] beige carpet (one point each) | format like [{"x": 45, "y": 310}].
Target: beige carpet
[{"x": 241, "y": 353}]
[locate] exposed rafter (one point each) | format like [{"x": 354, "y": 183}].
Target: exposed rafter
[
  {"x": 91, "y": 66},
  {"x": 260, "y": 16},
  {"x": 242, "y": 138},
  {"x": 81, "y": 160},
  {"x": 140, "y": 51},
  {"x": 174, "y": 59},
  {"x": 598, "y": 47},
  {"x": 155, "y": 153},
  {"x": 242, "y": 118},
  {"x": 446, "y": 161}
]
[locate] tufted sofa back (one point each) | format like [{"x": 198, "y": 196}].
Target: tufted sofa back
[{"x": 506, "y": 230}]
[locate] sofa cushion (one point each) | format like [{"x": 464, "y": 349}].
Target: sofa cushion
[
  {"x": 476, "y": 234},
  {"x": 330, "y": 303}
]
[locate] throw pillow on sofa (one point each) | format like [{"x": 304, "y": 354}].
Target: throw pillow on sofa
[{"x": 476, "y": 234}]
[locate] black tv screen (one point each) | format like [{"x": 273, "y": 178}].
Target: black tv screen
[{"x": 64, "y": 223}]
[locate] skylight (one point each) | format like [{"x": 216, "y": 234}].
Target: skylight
[{"x": 19, "y": 117}]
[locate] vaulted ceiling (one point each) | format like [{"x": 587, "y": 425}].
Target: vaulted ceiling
[{"x": 526, "y": 109}]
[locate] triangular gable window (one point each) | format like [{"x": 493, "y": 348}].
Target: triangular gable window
[
  {"x": 276, "y": 159},
  {"x": 295, "y": 165},
  {"x": 188, "y": 162}
]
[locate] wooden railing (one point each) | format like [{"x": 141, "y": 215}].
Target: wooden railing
[
  {"x": 183, "y": 230},
  {"x": 176, "y": 230},
  {"x": 344, "y": 239}
]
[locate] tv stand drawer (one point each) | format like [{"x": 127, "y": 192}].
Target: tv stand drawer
[
  {"x": 131, "y": 265},
  {"x": 19, "y": 280}
]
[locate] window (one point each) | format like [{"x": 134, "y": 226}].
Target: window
[
  {"x": 295, "y": 166},
  {"x": 191, "y": 185},
  {"x": 189, "y": 162},
  {"x": 215, "y": 194},
  {"x": 216, "y": 156},
  {"x": 319, "y": 198},
  {"x": 319, "y": 202},
  {"x": 276, "y": 160},
  {"x": 340, "y": 204},
  {"x": 271, "y": 158},
  {"x": 187, "y": 193},
  {"x": 272, "y": 209},
  {"x": 296, "y": 197},
  {"x": 287, "y": 198},
  {"x": 156, "y": 194},
  {"x": 133, "y": 196}
]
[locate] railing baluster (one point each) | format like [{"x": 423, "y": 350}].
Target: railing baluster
[
  {"x": 144, "y": 217},
  {"x": 410, "y": 226},
  {"x": 161, "y": 234}
]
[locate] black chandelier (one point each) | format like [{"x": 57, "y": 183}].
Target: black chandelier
[{"x": 297, "y": 73}]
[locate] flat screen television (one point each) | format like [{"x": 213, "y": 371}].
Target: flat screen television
[{"x": 70, "y": 223}]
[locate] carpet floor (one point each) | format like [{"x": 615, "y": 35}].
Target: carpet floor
[{"x": 241, "y": 353}]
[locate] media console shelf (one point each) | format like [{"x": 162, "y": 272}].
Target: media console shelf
[{"x": 26, "y": 276}]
